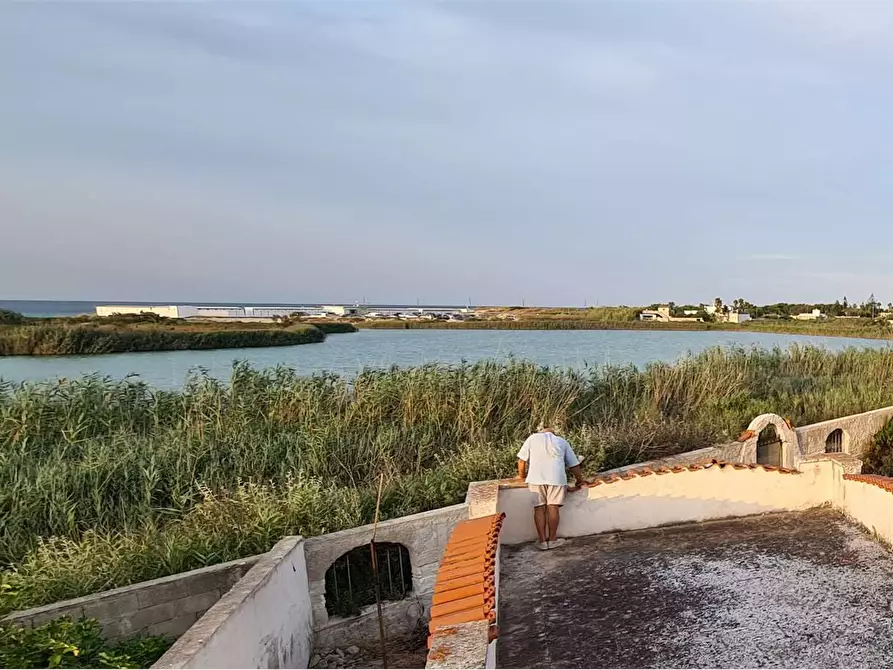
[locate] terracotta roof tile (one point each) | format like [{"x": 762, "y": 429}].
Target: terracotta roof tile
[
  {"x": 691, "y": 467},
  {"x": 458, "y": 582},
  {"x": 476, "y": 589},
  {"x": 466, "y": 581},
  {"x": 885, "y": 483}
]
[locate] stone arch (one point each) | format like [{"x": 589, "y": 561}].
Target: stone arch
[
  {"x": 790, "y": 457},
  {"x": 350, "y": 583},
  {"x": 837, "y": 442}
]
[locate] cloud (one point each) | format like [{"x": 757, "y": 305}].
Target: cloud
[
  {"x": 774, "y": 257},
  {"x": 322, "y": 150}
]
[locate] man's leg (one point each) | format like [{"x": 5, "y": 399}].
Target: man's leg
[
  {"x": 553, "y": 518},
  {"x": 539, "y": 519}
]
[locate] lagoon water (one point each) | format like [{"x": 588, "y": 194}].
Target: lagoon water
[{"x": 346, "y": 354}]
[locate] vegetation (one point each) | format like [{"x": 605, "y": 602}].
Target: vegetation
[
  {"x": 862, "y": 328},
  {"x": 104, "y": 483},
  {"x": 334, "y": 327},
  {"x": 64, "y": 643},
  {"x": 537, "y": 324},
  {"x": 10, "y": 318},
  {"x": 878, "y": 458},
  {"x": 127, "y": 333}
]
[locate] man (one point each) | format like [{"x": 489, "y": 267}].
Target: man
[{"x": 543, "y": 458}]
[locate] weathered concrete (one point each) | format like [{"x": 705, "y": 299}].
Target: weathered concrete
[
  {"x": 463, "y": 646},
  {"x": 424, "y": 535},
  {"x": 858, "y": 432},
  {"x": 263, "y": 622},
  {"x": 805, "y": 589},
  {"x": 166, "y": 606}
]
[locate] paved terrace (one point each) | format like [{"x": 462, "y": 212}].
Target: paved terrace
[{"x": 803, "y": 589}]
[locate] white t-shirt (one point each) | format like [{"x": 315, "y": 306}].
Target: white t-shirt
[{"x": 547, "y": 456}]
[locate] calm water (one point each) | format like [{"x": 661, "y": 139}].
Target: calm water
[{"x": 381, "y": 348}]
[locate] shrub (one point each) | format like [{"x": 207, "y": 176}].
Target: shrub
[
  {"x": 10, "y": 318},
  {"x": 878, "y": 458},
  {"x": 64, "y": 643}
]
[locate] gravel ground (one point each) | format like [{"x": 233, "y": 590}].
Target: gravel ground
[{"x": 785, "y": 590}]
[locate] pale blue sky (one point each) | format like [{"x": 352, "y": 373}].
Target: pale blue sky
[{"x": 556, "y": 152}]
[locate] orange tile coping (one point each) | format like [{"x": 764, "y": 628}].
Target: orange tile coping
[
  {"x": 465, "y": 590},
  {"x": 645, "y": 471},
  {"x": 691, "y": 467},
  {"x": 885, "y": 483}
]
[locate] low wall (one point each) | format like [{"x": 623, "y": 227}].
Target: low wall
[
  {"x": 646, "y": 498},
  {"x": 424, "y": 535},
  {"x": 263, "y": 622},
  {"x": 166, "y": 606},
  {"x": 858, "y": 432},
  {"x": 868, "y": 499},
  {"x": 464, "y": 624}
]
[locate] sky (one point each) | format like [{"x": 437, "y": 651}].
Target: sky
[{"x": 497, "y": 151}]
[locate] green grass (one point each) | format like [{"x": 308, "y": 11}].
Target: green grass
[
  {"x": 861, "y": 328},
  {"x": 49, "y": 337},
  {"x": 64, "y": 643},
  {"x": 105, "y": 483}
]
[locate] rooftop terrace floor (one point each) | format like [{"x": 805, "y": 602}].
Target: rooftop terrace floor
[{"x": 805, "y": 589}]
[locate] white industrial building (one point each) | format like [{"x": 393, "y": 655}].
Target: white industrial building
[{"x": 207, "y": 312}]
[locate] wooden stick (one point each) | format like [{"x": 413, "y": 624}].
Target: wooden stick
[{"x": 381, "y": 634}]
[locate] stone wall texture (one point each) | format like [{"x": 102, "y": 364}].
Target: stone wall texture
[
  {"x": 424, "y": 535},
  {"x": 858, "y": 431},
  {"x": 166, "y": 606}
]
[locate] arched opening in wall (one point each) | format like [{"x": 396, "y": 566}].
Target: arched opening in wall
[
  {"x": 769, "y": 447},
  {"x": 834, "y": 443},
  {"x": 350, "y": 580}
]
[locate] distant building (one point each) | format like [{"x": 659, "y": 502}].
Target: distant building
[
  {"x": 737, "y": 317},
  {"x": 207, "y": 312},
  {"x": 661, "y": 314},
  {"x": 170, "y": 311},
  {"x": 810, "y": 316},
  {"x": 664, "y": 315},
  {"x": 342, "y": 310}
]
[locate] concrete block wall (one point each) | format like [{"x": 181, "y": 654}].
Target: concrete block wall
[
  {"x": 424, "y": 535},
  {"x": 263, "y": 622},
  {"x": 166, "y": 606}
]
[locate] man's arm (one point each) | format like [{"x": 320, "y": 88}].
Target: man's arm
[
  {"x": 573, "y": 464},
  {"x": 523, "y": 458}
]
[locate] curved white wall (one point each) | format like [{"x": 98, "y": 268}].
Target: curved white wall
[{"x": 713, "y": 492}]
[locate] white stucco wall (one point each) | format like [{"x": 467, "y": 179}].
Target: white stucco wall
[
  {"x": 657, "y": 500},
  {"x": 263, "y": 622},
  {"x": 868, "y": 504}
]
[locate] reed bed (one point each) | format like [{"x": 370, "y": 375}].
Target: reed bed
[
  {"x": 107, "y": 482},
  {"x": 48, "y": 339}
]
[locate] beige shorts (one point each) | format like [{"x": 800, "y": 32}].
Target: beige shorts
[{"x": 544, "y": 494}]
